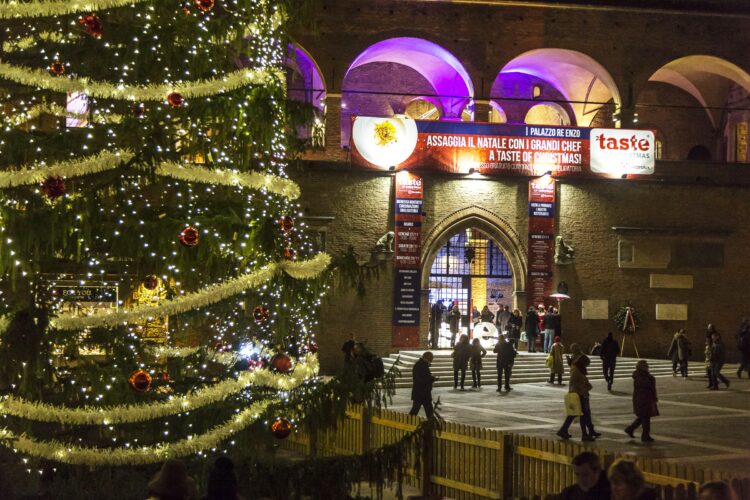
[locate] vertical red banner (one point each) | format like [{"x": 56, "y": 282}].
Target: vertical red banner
[
  {"x": 541, "y": 239},
  {"x": 407, "y": 251}
]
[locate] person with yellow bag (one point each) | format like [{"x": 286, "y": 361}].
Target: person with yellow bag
[
  {"x": 577, "y": 398},
  {"x": 555, "y": 361}
]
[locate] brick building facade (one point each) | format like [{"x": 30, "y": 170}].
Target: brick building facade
[{"x": 676, "y": 241}]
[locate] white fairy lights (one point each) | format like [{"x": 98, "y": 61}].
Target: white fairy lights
[{"x": 164, "y": 185}]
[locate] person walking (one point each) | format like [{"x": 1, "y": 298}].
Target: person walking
[
  {"x": 580, "y": 385},
  {"x": 461, "y": 355},
  {"x": 514, "y": 327},
  {"x": 548, "y": 322},
  {"x": 436, "y": 321},
  {"x": 475, "y": 362},
  {"x": 506, "y": 354},
  {"x": 608, "y": 354},
  {"x": 743, "y": 345},
  {"x": 532, "y": 327},
  {"x": 556, "y": 352},
  {"x": 644, "y": 401},
  {"x": 421, "y": 388},
  {"x": 718, "y": 356},
  {"x": 454, "y": 322},
  {"x": 707, "y": 362},
  {"x": 679, "y": 351}
]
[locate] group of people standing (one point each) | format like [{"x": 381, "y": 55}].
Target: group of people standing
[
  {"x": 542, "y": 321},
  {"x": 506, "y": 321},
  {"x": 467, "y": 355}
]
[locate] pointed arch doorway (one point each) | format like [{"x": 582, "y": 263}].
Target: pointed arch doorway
[{"x": 469, "y": 270}]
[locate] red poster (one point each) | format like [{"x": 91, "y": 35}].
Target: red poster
[{"x": 541, "y": 239}]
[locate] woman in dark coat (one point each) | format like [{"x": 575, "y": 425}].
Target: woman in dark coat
[
  {"x": 644, "y": 401},
  {"x": 532, "y": 327},
  {"x": 486, "y": 315},
  {"x": 514, "y": 327},
  {"x": 461, "y": 355},
  {"x": 477, "y": 353},
  {"x": 679, "y": 352}
]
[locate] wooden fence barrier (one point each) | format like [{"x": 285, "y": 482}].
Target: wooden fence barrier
[{"x": 466, "y": 462}]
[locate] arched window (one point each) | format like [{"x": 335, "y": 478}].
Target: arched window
[
  {"x": 497, "y": 115},
  {"x": 548, "y": 113},
  {"x": 699, "y": 153},
  {"x": 422, "y": 109}
]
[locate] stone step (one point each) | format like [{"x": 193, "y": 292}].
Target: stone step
[{"x": 528, "y": 368}]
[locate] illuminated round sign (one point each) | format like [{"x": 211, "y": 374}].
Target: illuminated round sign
[
  {"x": 486, "y": 333},
  {"x": 384, "y": 142}
]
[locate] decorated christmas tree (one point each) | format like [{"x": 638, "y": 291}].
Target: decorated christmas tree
[{"x": 158, "y": 291}]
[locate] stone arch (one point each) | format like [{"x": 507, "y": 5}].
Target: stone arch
[
  {"x": 547, "y": 113},
  {"x": 313, "y": 82},
  {"x": 494, "y": 226},
  {"x": 383, "y": 78},
  {"x": 572, "y": 78}
]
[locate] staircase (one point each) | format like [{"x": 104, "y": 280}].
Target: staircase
[{"x": 528, "y": 368}]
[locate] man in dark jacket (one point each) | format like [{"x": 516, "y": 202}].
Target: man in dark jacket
[
  {"x": 743, "y": 345},
  {"x": 608, "y": 353},
  {"x": 532, "y": 328},
  {"x": 718, "y": 356},
  {"x": 506, "y": 353},
  {"x": 591, "y": 480},
  {"x": 422, "y": 379}
]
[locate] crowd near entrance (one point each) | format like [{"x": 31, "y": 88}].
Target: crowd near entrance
[{"x": 471, "y": 273}]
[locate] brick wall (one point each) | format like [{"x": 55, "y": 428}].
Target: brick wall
[{"x": 361, "y": 204}]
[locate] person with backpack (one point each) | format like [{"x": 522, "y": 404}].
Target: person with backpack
[
  {"x": 608, "y": 354},
  {"x": 743, "y": 345}
]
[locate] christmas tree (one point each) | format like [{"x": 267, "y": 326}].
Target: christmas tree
[{"x": 158, "y": 291}]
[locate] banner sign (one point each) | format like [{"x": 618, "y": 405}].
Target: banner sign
[
  {"x": 541, "y": 239},
  {"x": 498, "y": 148},
  {"x": 407, "y": 250}
]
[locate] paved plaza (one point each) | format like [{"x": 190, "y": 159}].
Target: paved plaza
[{"x": 706, "y": 428}]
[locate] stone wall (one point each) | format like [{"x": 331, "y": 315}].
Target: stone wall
[{"x": 668, "y": 216}]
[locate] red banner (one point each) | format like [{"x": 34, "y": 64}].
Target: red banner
[{"x": 541, "y": 239}]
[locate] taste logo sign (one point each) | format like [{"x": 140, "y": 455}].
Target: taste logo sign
[{"x": 617, "y": 152}]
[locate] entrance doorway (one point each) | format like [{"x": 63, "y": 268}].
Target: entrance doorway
[{"x": 469, "y": 270}]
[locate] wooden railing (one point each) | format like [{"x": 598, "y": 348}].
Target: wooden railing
[{"x": 466, "y": 462}]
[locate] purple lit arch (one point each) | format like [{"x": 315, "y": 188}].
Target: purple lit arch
[
  {"x": 585, "y": 85},
  {"x": 388, "y": 75}
]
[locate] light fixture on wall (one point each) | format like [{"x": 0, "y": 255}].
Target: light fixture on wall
[{"x": 392, "y": 168}]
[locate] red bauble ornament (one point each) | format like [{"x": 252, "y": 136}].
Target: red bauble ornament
[
  {"x": 175, "y": 100},
  {"x": 57, "y": 68},
  {"x": 281, "y": 428},
  {"x": 253, "y": 364},
  {"x": 286, "y": 223},
  {"x": 53, "y": 187},
  {"x": 289, "y": 253},
  {"x": 281, "y": 363},
  {"x": 93, "y": 25},
  {"x": 312, "y": 347},
  {"x": 190, "y": 236},
  {"x": 204, "y": 5},
  {"x": 260, "y": 314},
  {"x": 140, "y": 381},
  {"x": 151, "y": 282}
]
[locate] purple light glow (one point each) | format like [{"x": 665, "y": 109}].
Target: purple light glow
[
  {"x": 312, "y": 79},
  {"x": 439, "y": 67},
  {"x": 577, "y": 76}
]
